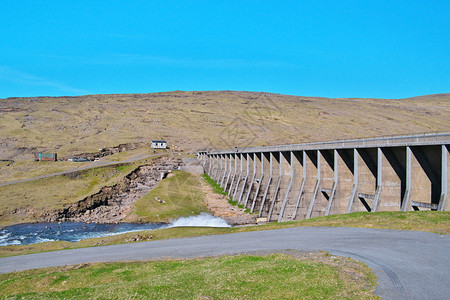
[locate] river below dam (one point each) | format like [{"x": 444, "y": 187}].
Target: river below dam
[{"x": 32, "y": 233}]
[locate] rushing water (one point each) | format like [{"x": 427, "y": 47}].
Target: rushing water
[{"x": 25, "y": 234}]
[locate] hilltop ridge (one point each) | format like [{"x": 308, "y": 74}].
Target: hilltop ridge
[{"x": 205, "y": 120}]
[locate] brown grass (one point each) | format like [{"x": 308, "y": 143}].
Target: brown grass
[
  {"x": 28, "y": 201},
  {"x": 196, "y": 120}
]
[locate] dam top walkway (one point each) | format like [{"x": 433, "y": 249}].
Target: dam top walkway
[{"x": 437, "y": 138}]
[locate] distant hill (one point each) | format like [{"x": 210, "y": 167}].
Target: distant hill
[{"x": 209, "y": 119}]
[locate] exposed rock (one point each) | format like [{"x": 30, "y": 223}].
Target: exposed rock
[
  {"x": 159, "y": 200},
  {"x": 112, "y": 203}
]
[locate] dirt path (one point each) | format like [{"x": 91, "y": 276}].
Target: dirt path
[{"x": 220, "y": 207}]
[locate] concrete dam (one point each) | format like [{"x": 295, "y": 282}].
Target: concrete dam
[{"x": 294, "y": 182}]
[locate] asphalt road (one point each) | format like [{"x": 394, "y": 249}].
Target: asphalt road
[{"x": 408, "y": 264}]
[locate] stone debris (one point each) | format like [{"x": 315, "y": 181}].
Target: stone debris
[
  {"x": 138, "y": 238},
  {"x": 159, "y": 200},
  {"x": 219, "y": 206}
]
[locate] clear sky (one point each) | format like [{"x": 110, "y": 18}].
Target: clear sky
[{"x": 333, "y": 48}]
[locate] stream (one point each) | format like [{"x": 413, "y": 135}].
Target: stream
[{"x": 32, "y": 233}]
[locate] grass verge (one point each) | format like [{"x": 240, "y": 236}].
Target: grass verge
[
  {"x": 215, "y": 186},
  {"x": 272, "y": 276},
  {"x": 219, "y": 190},
  {"x": 431, "y": 221}
]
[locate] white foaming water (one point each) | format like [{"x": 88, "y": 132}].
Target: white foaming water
[
  {"x": 202, "y": 220},
  {"x": 25, "y": 234},
  {"x": 42, "y": 240}
]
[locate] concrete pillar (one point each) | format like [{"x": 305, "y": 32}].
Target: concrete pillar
[
  {"x": 243, "y": 183},
  {"x": 224, "y": 170},
  {"x": 251, "y": 179},
  {"x": 283, "y": 186},
  {"x": 210, "y": 158},
  {"x": 310, "y": 185},
  {"x": 332, "y": 194},
  {"x": 235, "y": 174},
  {"x": 353, "y": 196},
  {"x": 309, "y": 214},
  {"x": 273, "y": 184},
  {"x": 408, "y": 179},
  {"x": 344, "y": 180},
  {"x": 205, "y": 162},
  {"x": 367, "y": 179},
  {"x": 291, "y": 188},
  {"x": 231, "y": 169},
  {"x": 297, "y": 186},
  {"x": 239, "y": 176},
  {"x": 219, "y": 168},
  {"x": 444, "y": 204},
  {"x": 393, "y": 169},
  {"x": 319, "y": 204},
  {"x": 379, "y": 180},
  {"x": 214, "y": 167},
  {"x": 264, "y": 181},
  {"x": 426, "y": 179},
  {"x": 259, "y": 176}
]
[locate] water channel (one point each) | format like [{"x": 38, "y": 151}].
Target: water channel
[{"x": 25, "y": 234}]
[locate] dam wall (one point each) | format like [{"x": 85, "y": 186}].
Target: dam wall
[{"x": 301, "y": 181}]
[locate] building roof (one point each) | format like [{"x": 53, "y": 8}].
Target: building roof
[{"x": 159, "y": 142}]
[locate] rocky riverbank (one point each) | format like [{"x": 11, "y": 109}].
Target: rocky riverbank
[{"x": 112, "y": 203}]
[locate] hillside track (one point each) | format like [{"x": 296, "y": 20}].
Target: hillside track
[
  {"x": 408, "y": 264},
  {"x": 91, "y": 166}
]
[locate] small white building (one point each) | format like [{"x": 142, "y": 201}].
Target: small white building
[{"x": 159, "y": 144}]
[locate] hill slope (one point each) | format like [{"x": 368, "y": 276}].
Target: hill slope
[{"x": 198, "y": 120}]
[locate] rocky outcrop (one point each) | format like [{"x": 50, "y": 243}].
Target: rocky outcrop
[{"x": 112, "y": 203}]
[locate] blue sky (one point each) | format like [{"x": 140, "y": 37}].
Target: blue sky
[{"x": 382, "y": 49}]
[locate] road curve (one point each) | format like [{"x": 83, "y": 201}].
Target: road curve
[{"x": 408, "y": 264}]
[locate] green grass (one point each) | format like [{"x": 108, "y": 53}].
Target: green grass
[
  {"x": 431, "y": 221},
  {"x": 219, "y": 190},
  {"x": 182, "y": 197},
  {"x": 215, "y": 186},
  {"x": 273, "y": 276}
]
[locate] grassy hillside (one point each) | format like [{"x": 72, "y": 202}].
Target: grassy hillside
[
  {"x": 29, "y": 201},
  {"x": 197, "y": 120},
  {"x": 181, "y": 195}
]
